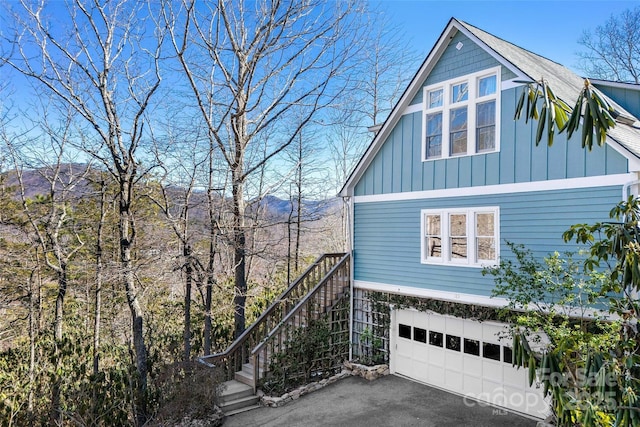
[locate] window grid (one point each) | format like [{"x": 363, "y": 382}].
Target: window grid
[
  {"x": 468, "y": 236},
  {"x": 460, "y": 116}
]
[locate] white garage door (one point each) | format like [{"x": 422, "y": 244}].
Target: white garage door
[{"x": 463, "y": 356}]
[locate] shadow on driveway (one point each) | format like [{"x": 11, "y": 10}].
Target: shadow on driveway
[{"x": 388, "y": 401}]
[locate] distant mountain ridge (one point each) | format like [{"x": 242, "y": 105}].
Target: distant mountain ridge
[{"x": 36, "y": 183}]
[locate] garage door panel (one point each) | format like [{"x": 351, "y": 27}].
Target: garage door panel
[
  {"x": 436, "y": 322},
  {"x": 472, "y": 365},
  {"x": 421, "y": 370},
  {"x": 472, "y": 385},
  {"x": 453, "y": 380},
  {"x": 514, "y": 376},
  {"x": 454, "y": 326}
]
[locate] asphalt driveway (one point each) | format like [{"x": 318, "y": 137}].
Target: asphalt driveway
[{"x": 388, "y": 401}]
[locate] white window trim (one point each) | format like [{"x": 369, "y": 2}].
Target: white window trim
[
  {"x": 470, "y": 103},
  {"x": 471, "y": 236}
]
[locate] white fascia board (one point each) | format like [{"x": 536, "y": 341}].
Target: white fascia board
[{"x": 523, "y": 187}]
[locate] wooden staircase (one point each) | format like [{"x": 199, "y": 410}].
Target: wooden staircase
[{"x": 314, "y": 294}]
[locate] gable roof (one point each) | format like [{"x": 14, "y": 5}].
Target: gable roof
[{"x": 526, "y": 65}]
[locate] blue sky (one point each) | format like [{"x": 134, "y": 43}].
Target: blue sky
[{"x": 548, "y": 28}]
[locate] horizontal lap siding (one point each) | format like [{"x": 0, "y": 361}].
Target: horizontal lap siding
[{"x": 387, "y": 234}]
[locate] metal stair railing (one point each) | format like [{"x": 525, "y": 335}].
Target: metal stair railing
[
  {"x": 239, "y": 351},
  {"x": 321, "y": 300}
]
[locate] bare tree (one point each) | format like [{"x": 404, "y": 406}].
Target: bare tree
[
  {"x": 102, "y": 61},
  {"x": 250, "y": 65},
  {"x": 51, "y": 222},
  {"x": 613, "y": 49}
]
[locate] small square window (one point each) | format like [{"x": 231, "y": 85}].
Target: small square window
[
  {"x": 420, "y": 335},
  {"x": 491, "y": 351},
  {"x": 436, "y": 338},
  {"x": 507, "y": 355},
  {"x": 453, "y": 343},
  {"x": 487, "y": 85},
  {"x": 435, "y": 98},
  {"x": 472, "y": 347},
  {"x": 404, "y": 331},
  {"x": 459, "y": 92}
]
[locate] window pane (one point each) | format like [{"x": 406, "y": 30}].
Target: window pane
[
  {"x": 433, "y": 225},
  {"x": 434, "y": 247},
  {"x": 420, "y": 335},
  {"x": 453, "y": 343},
  {"x": 487, "y": 86},
  {"x": 458, "y": 233},
  {"x": 434, "y": 135},
  {"x": 486, "y": 139},
  {"x": 436, "y": 338},
  {"x": 458, "y": 131},
  {"x": 404, "y": 331},
  {"x": 485, "y": 225},
  {"x": 485, "y": 248},
  {"x": 472, "y": 347},
  {"x": 434, "y": 238},
  {"x": 485, "y": 126},
  {"x": 491, "y": 351},
  {"x": 435, "y": 98},
  {"x": 458, "y": 225},
  {"x": 486, "y": 114},
  {"x": 459, "y": 92},
  {"x": 485, "y": 236},
  {"x": 507, "y": 354}
]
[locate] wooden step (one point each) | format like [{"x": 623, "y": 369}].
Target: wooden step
[
  {"x": 244, "y": 377},
  {"x": 237, "y": 397},
  {"x": 232, "y": 390},
  {"x": 241, "y": 410}
]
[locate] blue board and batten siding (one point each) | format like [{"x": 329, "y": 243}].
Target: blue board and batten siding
[
  {"x": 627, "y": 98},
  {"x": 454, "y": 62},
  {"x": 387, "y": 234},
  {"x": 398, "y": 166}
]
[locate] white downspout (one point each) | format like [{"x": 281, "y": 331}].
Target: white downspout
[
  {"x": 348, "y": 201},
  {"x": 628, "y": 190}
]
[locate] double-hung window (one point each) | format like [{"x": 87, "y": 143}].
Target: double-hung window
[
  {"x": 460, "y": 236},
  {"x": 460, "y": 116}
]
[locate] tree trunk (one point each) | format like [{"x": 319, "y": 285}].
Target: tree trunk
[
  {"x": 32, "y": 347},
  {"x": 299, "y": 207},
  {"x": 187, "y": 301},
  {"x": 98, "y": 293},
  {"x": 127, "y": 234},
  {"x": 56, "y": 412},
  {"x": 239, "y": 240}
]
